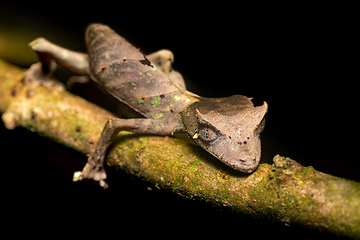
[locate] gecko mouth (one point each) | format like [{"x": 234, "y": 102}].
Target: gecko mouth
[{"x": 248, "y": 164}]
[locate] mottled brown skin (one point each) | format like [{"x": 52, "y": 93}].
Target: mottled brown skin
[{"x": 228, "y": 128}]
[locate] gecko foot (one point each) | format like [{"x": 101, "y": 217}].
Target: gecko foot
[
  {"x": 35, "y": 77},
  {"x": 94, "y": 172}
]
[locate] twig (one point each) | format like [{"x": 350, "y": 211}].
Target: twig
[{"x": 283, "y": 192}]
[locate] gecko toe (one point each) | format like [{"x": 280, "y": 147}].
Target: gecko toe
[{"x": 92, "y": 172}]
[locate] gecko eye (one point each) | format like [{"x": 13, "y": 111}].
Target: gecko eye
[{"x": 208, "y": 132}]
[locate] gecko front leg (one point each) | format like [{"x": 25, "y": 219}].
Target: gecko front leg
[{"x": 94, "y": 168}]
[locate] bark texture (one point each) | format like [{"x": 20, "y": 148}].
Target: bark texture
[{"x": 284, "y": 192}]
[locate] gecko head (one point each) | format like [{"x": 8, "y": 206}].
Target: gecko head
[{"x": 228, "y": 128}]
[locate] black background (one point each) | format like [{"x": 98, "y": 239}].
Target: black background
[{"x": 300, "y": 60}]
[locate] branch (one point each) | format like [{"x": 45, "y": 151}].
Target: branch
[{"x": 283, "y": 192}]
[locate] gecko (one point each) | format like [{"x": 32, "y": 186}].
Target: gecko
[{"x": 228, "y": 128}]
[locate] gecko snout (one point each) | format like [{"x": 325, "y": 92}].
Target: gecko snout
[
  {"x": 248, "y": 164},
  {"x": 248, "y": 161}
]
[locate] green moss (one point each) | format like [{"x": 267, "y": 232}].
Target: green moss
[{"x": 192, "y": 169}]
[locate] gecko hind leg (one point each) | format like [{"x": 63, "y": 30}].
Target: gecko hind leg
[
  {"x": 50, "y": 55},
  {"x": 163, "y": 60},
  {"x": 35, "y": 76}
]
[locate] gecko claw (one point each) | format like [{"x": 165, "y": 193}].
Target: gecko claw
[{"x": 92, "y": 172}]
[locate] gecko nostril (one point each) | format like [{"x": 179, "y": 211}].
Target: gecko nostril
[{"x": 248, "y": 161}]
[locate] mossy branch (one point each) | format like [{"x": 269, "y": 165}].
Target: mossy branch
[{"x": 283, "y": 192}]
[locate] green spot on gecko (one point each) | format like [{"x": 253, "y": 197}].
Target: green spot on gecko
[
  {"x": 177, "y": 98},
  {"x": 37, "y": 45},
  {"x": 155, "y": 101},
  {"x": 158, "y": 115}
]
